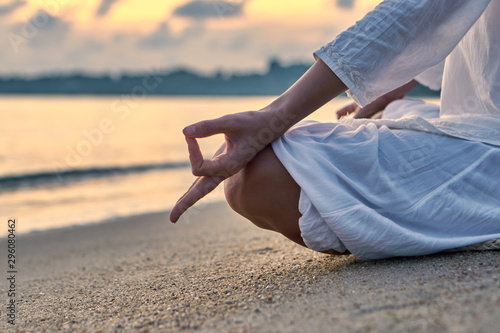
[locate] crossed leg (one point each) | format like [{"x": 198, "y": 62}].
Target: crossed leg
[{"x": 266, "y": 194}]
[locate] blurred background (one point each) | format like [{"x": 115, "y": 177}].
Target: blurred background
[
  {"x": 94, "y": 94},
  {"x": 116, "y": 36}
]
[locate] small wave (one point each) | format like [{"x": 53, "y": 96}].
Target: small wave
[{"x": 13, "y": 182}]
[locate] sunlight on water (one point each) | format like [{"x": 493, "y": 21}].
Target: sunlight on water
[{"x": 51, "y": 133}]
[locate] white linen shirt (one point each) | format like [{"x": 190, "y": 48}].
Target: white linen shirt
[{"x": 402, "y": 40}]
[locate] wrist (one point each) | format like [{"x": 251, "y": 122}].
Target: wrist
[{"x": 278, "y": 118}]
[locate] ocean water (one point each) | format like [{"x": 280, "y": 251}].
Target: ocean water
[{"x": 75, "y": 160}]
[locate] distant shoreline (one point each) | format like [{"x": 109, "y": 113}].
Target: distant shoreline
[{"x": 181, "y": 82}]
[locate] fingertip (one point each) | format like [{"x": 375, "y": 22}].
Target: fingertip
[
  {"x": 190, "y": 140},
  {"x": 175, "y": 214},
  {"x": 189, "y": 131},
  {"x": 173, "y": 218}
]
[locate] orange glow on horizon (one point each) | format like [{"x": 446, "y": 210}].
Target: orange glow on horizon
[
  {"x": 130, "y": 35},
  {"x": 133, "y": 13}
]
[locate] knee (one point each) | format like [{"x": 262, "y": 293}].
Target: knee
[
  {"x": 233, "y": 190},
  {"x": 245, "y": 190},
  {"x": 266, "y": 194},
  {"x": 239, "y": 193}
]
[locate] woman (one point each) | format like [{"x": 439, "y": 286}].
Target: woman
[{"x": 421, "y": 180}]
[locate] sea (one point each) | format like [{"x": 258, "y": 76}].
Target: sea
[{"x": 70, "y": 160}]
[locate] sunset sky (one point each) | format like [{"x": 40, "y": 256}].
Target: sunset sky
[{"x": 113, "y": 36}]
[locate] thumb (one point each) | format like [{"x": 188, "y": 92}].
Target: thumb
[{"x": 205, "y": 128}]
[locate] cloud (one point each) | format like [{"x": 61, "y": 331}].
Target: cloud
[
  {"x": 105, "y": 7},
  {"x": 239, "y": 43},
  {"x": 161, "y": 37},
  {"x": 11, "y": 7},
  {"x": 348, "y": 4},
  {"x": 199, "y": 9},
  {"x": 55, "y": 44},
  {"x": 42, "y": 30}
]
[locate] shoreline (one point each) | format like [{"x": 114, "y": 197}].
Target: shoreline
[
  {"x": 216, "y": 272},
  {"x": 105, "y": 220},
  {"x": 115, "y": 219}
]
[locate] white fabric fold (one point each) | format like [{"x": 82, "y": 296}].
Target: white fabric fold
[
  {"x": 484, "y": 128},
  {"x": 432, "y": 77},
  {"x": 384, "y": 192}
]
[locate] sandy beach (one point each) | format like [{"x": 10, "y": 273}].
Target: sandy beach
[{"x": 218, "y": 273}]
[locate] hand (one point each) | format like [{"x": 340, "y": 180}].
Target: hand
[
  {"x": 245, "y": 133},
  {"x": 373, "y": 110}
]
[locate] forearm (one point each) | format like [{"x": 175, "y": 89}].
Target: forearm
[{"x": 314, "y": 89}]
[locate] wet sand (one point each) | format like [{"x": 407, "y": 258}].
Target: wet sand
[{"x": 216, "y": 272}]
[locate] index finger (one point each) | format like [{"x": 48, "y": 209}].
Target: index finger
[
  {"x": 206, "y": 167},
  {"x": 195, "y": 156},
  {"x": 205, "y": 128}
]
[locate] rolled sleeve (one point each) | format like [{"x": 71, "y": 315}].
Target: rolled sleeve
[{"x": 396, "y": 42}]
